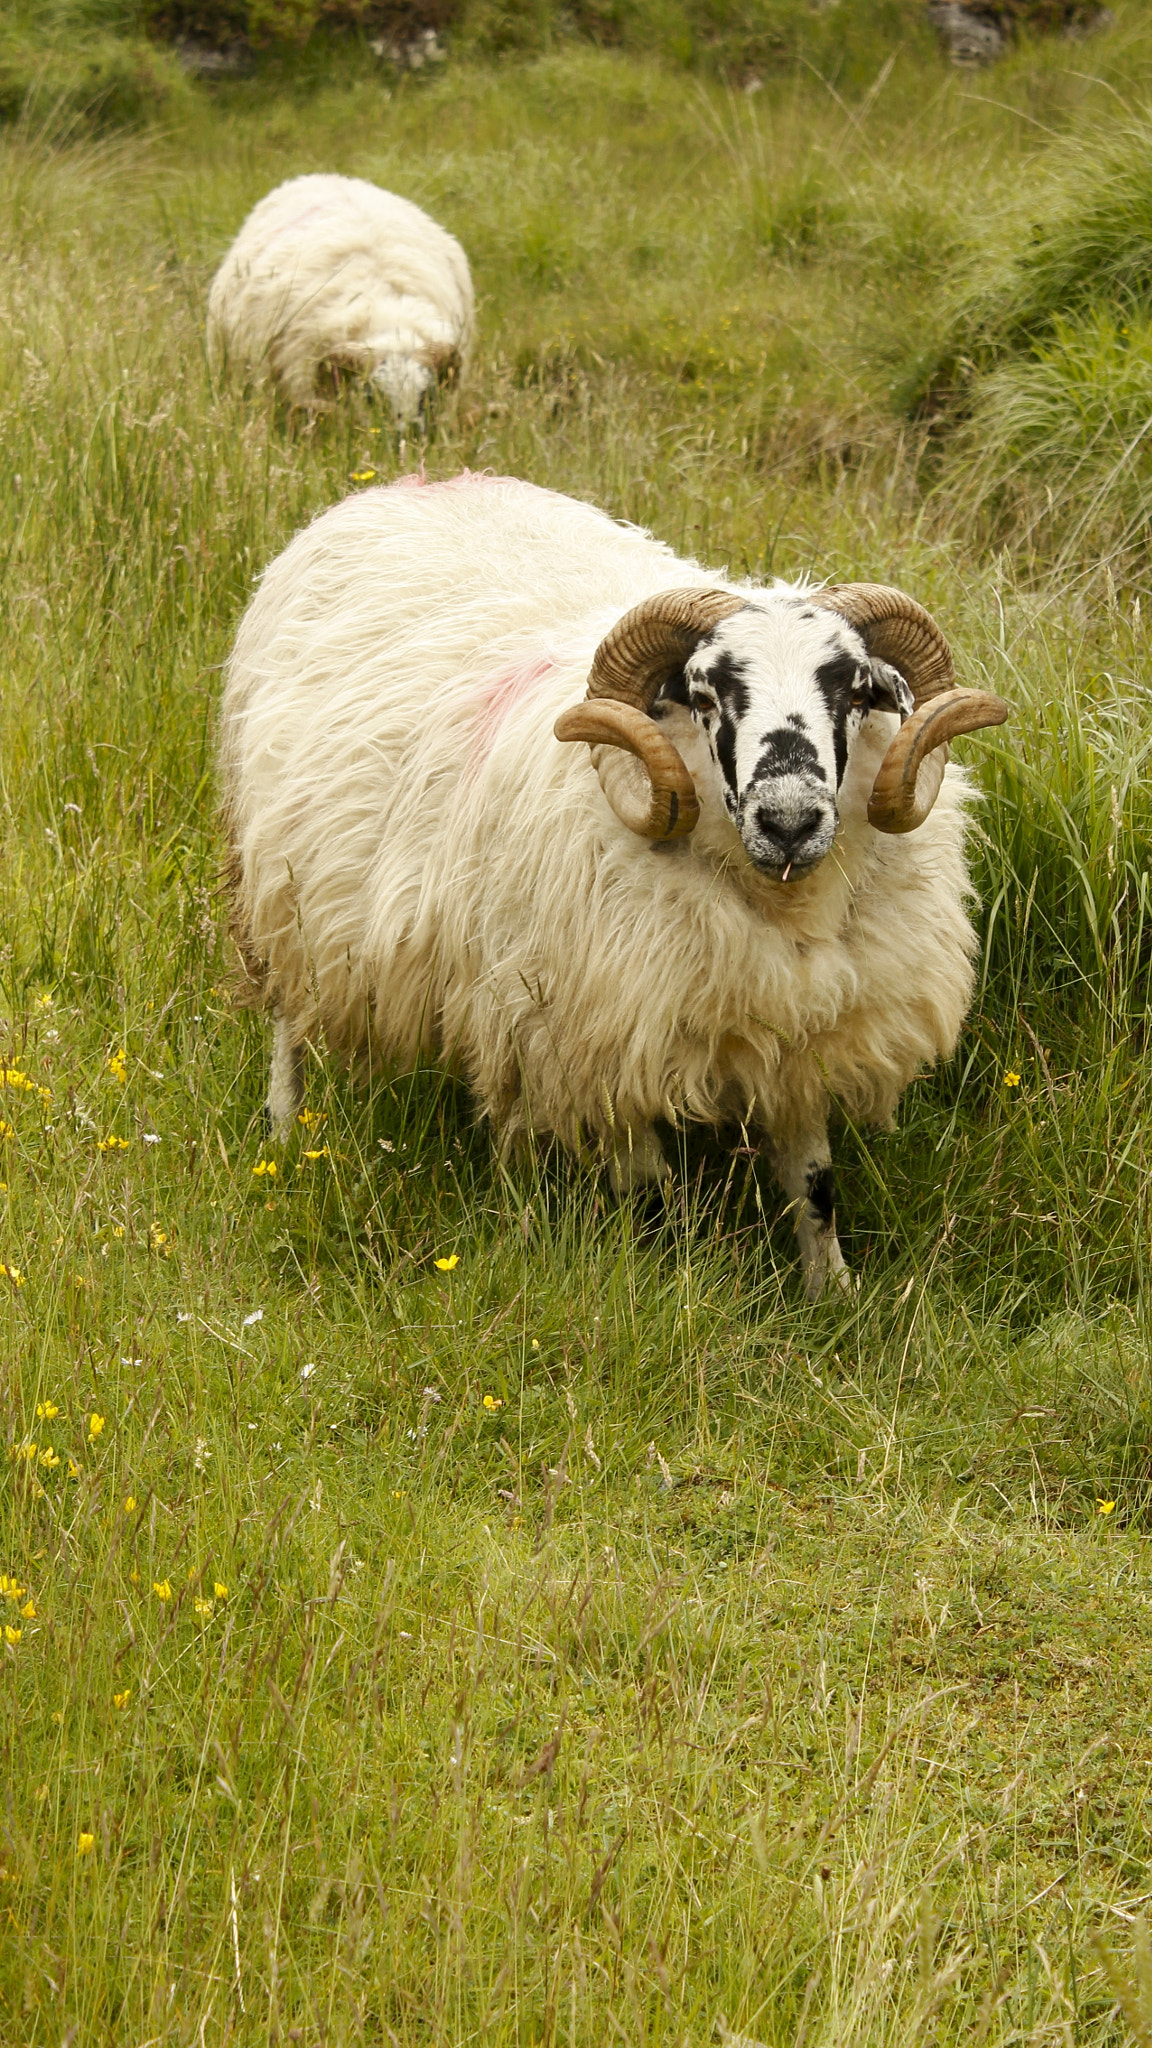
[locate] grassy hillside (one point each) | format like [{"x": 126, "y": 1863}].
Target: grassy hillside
[{"x": 440, "y": 1604}]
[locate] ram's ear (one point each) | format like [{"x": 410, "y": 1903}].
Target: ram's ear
[{"x": 889, "y": 690}]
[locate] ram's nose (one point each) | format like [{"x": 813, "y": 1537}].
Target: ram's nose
[
  {"x": 788, "y": 835},
  {"x": 786, "y": 838}
]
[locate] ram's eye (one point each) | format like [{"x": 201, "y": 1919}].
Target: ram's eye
[{"x": 699, "y": 702}]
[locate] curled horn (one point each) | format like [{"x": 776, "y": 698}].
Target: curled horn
[
  {"x": 641, "y": 771},
  {"x": 896, "y": 629}
]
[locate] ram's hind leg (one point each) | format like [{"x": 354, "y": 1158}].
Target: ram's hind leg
[
  {"x": 286, "y": 1081},
  {"x": 804, "y": 1169}
]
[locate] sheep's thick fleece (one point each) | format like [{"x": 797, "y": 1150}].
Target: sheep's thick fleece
[
  {"x": 416, "y": 855},
  {"x": 332, "y": 270}
]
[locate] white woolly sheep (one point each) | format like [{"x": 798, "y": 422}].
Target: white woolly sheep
[
  {"x": 714, "y": 915},
  {"x": 333, "y": 274}
]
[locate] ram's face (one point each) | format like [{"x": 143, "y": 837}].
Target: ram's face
[
  {"x": 405, "y": 382},
  {"x": 780, "y": 691}
]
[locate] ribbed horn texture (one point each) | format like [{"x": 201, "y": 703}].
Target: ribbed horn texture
[
  {"x": 897, "y": 630},
  {"x": 655, "y": 639},
  {"x": 641, "y": 772},
  {"x": 910, "y": 775}
]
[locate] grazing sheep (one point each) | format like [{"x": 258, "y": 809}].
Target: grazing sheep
[
  {"x": 747, "y": 901},
  {"x": 333, "y": 274}
]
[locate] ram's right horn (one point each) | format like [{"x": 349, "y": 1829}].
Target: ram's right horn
[{"x": 641, "y": 772}]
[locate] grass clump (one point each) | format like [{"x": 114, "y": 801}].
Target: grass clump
[
  {"x": 66, "y": 65},
  {"x": 1047, "y": 358}
]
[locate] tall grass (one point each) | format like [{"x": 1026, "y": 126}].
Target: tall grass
[{"x": 586, "y": 1639}]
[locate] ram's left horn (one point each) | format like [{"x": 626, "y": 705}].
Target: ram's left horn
[
  {"x": 896, "y": 629},
  {"x": 641, "y": 772},
  {"x": 909, "y": 777}
]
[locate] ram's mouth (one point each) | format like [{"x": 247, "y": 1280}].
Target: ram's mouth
[{"x": 792, "y": 870}]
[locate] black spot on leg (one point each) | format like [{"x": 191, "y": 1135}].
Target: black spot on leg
[{"x": 821, "y": 1194}]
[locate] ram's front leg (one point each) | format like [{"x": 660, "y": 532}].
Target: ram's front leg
[{"x": 803, "y": 1167}]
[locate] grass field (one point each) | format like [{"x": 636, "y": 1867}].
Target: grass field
[{"x": 586, "y": 1641}]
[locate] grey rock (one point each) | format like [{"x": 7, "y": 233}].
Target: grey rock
[{"x": 969, "y": 38}]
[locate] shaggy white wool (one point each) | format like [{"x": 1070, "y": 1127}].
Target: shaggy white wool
[
  {"x": 417, "y": 855},
  {"x": 335, "y": 272}
]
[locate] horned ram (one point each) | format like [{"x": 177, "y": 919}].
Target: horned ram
[
  {"x": 333, "y": 276},
  {"x": 625, "y": 840}
]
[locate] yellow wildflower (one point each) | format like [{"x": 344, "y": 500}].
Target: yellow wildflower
[
  {"x": 203, "y": 1607},
  {"x": 158, "y": 1238},
  {"x": 220, "y": 1591},
  {"x": 46, "y": 1411},
  {"x": 11, "y": 1273},
  {"x": 48, "y": 1459},
  {"x": 95, "y": 1425},
  {"x": 112, "y": 1144},
  {"x": 6, "y": 1130},
  {"x": 130, "y": 1504},
  {"x": 117, "y": 1068},
  {"x": 1012, "y": 1080},
  {"x": 264, "y": 1166},
  {"x": 85, "y": 1844},
  {"x": 58, "y": 1717},
  {"x": 28, "y": 1610},
  {"x": 447, "y": 1265},
  {"x": 162, "y": 1588},
  {"x": 362, "y": 476},
  {"x": 44, "y": 1001},
  {"x": 12, "y": 1587},
  {"x": 310, "y": 1118},
  {"x": 321, "y": 1154},
  {"x": 1105, "y": 1507},
  {"x": 73, "y": 1469},
  {"x": 13, "y": 1077},
  {"x": 121, "y": 1699},
  {"x": 492, "y": 1402},
  {"x": 12, "y": 1635},
  {"x": 134, "y": 1576},
  {"x": 23, "y": 1451}
]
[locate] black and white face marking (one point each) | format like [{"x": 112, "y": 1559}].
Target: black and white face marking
[{"x": 780, "y": 691}]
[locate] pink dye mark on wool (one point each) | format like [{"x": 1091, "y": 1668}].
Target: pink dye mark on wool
[
  {"x": 417, "y": 480},
  {"x": 499, "y": 695}
]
